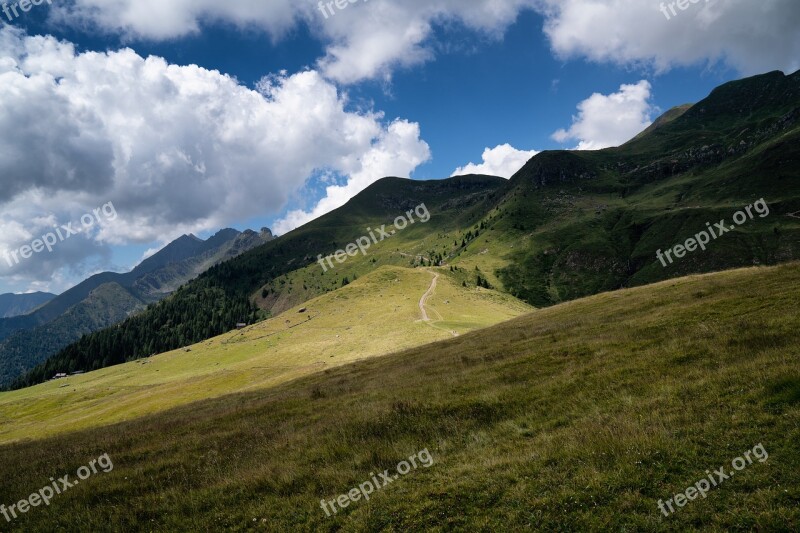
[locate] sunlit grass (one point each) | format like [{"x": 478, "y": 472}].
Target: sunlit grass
[
  {"x": 576, "y": 417},
  {"x": 338, "y": 328}
]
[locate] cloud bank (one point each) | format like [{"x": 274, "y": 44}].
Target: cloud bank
[
  {"x": 749, "y": 36},
  {"x": 177, "y": 149},
  {"x": 368, "y": 40}
]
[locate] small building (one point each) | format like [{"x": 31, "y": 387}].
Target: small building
[
  {"x": 241, "y": 325},
  {"x": 60, "y": 376}
]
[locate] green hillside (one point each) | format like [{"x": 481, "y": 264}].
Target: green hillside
[
  {"x": 584, "y": 222},
  {"x": 581, "y": 416},
  {"x": 284, "y": 273},
  {"x": 373, "y": 316},
  {"x": 106, "y": 305},
  {"x": 567, "y": 225}
]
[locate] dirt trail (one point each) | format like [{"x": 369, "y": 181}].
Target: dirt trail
[
  {"x": 425, "y": 297},
  {"x": 424, "y": 300}
]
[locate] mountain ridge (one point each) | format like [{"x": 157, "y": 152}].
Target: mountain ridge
[
  {"x": 12, "y": 305},
  {"x": 567, "y": 225}
]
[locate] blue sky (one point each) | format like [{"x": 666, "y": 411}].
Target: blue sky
[{"x": 301, "y": 103}]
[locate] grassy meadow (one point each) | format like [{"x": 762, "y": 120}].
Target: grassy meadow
[
  {"x": 578, "y": 417},
  {"x": 347, "y": 325}
]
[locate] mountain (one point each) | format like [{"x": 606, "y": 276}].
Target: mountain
[
  {"x": 666, "y": 118},
  {"x": 231, "y": 292},
  {"x": 567, "y": 225},
  {"x": 157, "y": 282},
  {"x": 21, "y": 304},
  {"x": 108, "y": 298},
  {"x": 182, "y": 249},
  {"x": 587, "y": 222}
]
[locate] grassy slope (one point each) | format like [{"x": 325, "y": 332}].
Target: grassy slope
[
  {"x": 283, "y": 273},
  {"x": 584, "y": 222},
  {"x": 581, "y": 238},
  {"x": 455, "y": 205},
  {"x": 406, "y": 249},
  {"x": 375, "y": 315},
  {"x": 575, "y": 417}
]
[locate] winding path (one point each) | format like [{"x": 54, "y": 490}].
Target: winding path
[{"x": 425, "y": 297}]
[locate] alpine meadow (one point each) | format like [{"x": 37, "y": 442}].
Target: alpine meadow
[{"x": 594, "y": 327}]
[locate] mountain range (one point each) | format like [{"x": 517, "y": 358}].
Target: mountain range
[
  {"x": 527, "y": 335},
  {"x": 567, "y": 225},
  {"x": 108, "y": 298},
  {"x": 12, "y": 305}
]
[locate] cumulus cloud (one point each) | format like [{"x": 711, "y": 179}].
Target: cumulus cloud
[
  {"x": 366, "y": 40},
  {"x": 160, "y": 20},
  {"x": 750, "y": 36},
  {"x": 396, "y": 153},
  {"x": 503, "y": 161},
  {"x": 369, "y": 40},
  {"x": 610, "y": 120},
  {"x": 177, "y": 149}
]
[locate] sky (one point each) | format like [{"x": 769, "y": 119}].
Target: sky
[{"x": 127, "y": 123}]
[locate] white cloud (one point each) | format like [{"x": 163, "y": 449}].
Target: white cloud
[
  {"x": 397, "y": 153},
  {"x": 610, "y": 120},
  {"x": 503, "y": 161},
  {"x": 178, "y": 149},
  {"x": 369, "y": 40},
  {"x": 162, "y": 20},
  {"x": 366, "y": 40},
  {"x": 750, "y": 36}
]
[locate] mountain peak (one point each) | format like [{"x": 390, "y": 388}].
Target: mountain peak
[
  {"x": 220, "y": 238},
  {"x": 187, "y": 237},
  {"x": 771, "y": 93}
]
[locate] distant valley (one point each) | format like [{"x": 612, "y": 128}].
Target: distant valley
[{"x": 108, "y": 298}]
